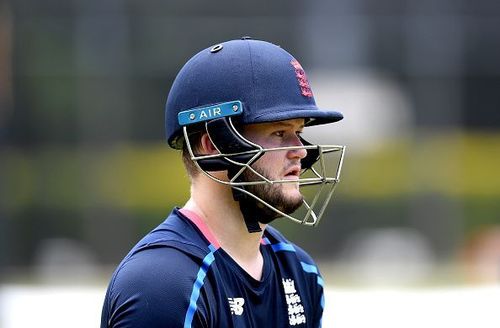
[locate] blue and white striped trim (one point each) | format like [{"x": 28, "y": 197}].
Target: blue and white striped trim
[
  {"x": 198, "y": 284},
  {"x": 279, "y": 247},
  {"x": 282, "y": 247},
  {"x": 310, "y": 268}
]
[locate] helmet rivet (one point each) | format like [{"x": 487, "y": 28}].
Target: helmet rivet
[
  {"x": 216, "y": 48},
  {"x": 235, "y": 108},
  {"x": 192, "y": 116}
]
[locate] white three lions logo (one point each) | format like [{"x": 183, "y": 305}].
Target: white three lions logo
[
  {"x": 236, "y": 305},
  {"x": 296, "y": 313}
]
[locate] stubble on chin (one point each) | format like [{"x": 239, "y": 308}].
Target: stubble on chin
[{"x": 274, "y": 194}]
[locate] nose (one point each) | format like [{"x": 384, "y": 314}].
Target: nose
[{"x": 297, "y": 153}]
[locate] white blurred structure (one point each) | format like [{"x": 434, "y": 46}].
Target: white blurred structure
[
  {"x": 375, "y": 108},
  {"x": 431, "y": 308},
  {"x": 64, "y": 260},
  {"x": 27, "y": 306},
  {"x": 388, "y": 257}
]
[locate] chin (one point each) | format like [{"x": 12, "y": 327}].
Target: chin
[
  {"x": 292, "y": 188},
  {"x": 293, "y": 195}
]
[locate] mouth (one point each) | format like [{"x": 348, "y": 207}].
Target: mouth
[{"x": 292, "y": 174}]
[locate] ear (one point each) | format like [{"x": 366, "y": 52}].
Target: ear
[{"x": 207, "y": 147}]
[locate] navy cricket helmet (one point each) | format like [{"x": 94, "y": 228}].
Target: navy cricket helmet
[
  {"x": 242, "y": 82},
  {"x": 268, "y": 81}
]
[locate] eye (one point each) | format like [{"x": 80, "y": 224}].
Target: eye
[{"x": 280, "y": 134}]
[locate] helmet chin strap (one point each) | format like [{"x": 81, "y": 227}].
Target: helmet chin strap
[
  {"x": 248, "y": 207},
  {"x": 249, "y": 210}
]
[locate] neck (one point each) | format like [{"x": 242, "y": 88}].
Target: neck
[{"x": 225, "y": 220}]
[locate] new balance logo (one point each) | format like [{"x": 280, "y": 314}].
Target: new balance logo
[{"x": 236, "y": 305}]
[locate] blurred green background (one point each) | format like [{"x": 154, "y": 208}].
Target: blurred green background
[{"x": 85, "y": 171}]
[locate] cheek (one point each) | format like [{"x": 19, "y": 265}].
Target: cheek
[{"x": 271, "y": 162}]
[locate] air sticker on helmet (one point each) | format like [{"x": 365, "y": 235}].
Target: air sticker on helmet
[{"x": 202, "y": 114}]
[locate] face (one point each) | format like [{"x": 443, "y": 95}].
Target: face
[{"x": 277, "y": 165}]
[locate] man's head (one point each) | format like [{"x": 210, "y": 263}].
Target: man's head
[
  {"x": 250, "y": 99},
  {"x": 284, "y": 165}
]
